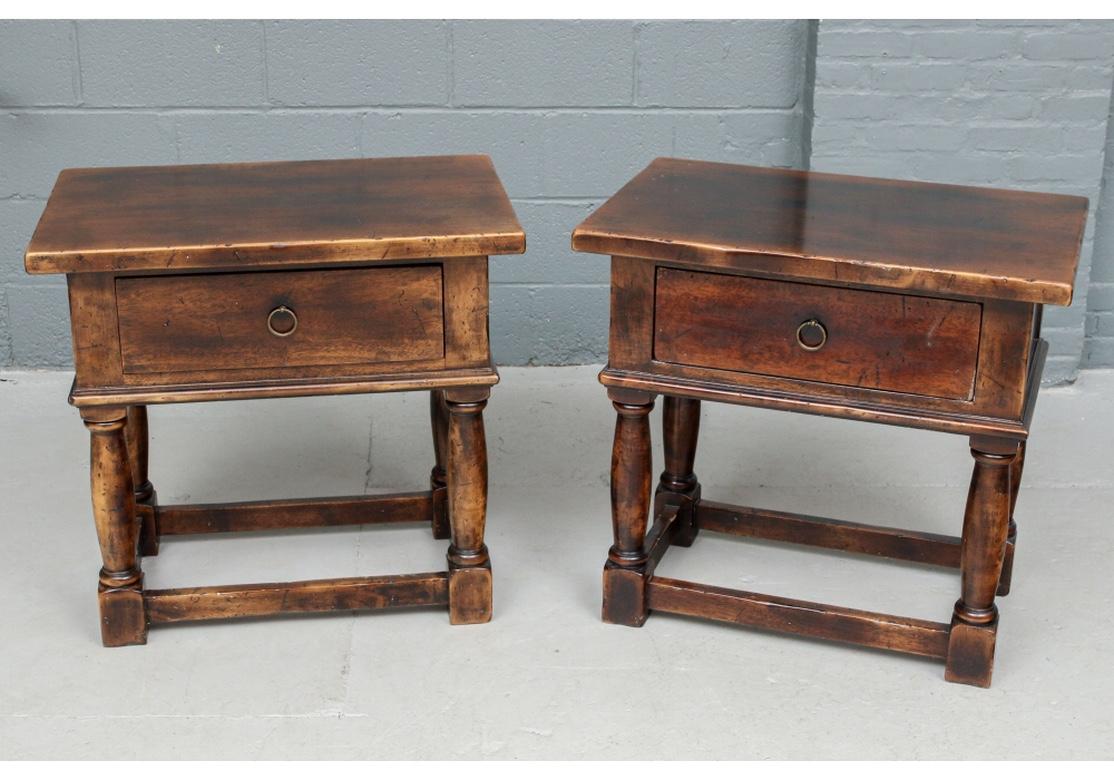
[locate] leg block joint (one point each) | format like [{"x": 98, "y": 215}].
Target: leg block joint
[
  {"x": 624, "y": 595},
  {"x": 469, "y": 593},
  {"x": 971, "y": 653},
  {"x": 123, "y": 615}
]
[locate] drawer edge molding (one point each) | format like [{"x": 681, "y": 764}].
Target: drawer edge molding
[
  {"x": 966, "y": 424},
  {"x": 290, "y": 388}
]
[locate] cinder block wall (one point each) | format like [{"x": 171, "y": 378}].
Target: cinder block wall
[
  {"x": 1098, "y": 349},
  {"x": 568, "y": 111}
]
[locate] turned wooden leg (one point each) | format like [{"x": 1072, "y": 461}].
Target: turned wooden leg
[
  {"x": 1011, "y": 537},
  {"x": 678, "y": 485},
  {"x": 120, "y": 589},
  {"x": 469, "y": 565},
  {"x": 145, "y": 497},
  {"x": 624, "y": 574},
  {"x": 439, "y": 422},
  {"x": 985, "y": 526}
]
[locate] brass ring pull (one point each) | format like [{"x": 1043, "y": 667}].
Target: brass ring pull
[
  {"x": 818, "y": 329},
  {"x": 282, "y": 322}
]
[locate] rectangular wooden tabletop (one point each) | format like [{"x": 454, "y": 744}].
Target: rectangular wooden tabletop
[
  {"x": 939, "y": 238},
  {"x": 276, "y": 213}
]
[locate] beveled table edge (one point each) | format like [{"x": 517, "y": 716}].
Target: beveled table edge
[
  {"x": 220, "y": 258},
  {"x": 824, "y": 270}
]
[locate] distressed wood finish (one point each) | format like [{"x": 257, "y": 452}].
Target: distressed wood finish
[
  {"x": 882, "y": 301},
  {"x": 228, "y": 282}
]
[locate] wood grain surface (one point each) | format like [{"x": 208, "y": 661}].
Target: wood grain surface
[
  {"x": 273, "y": 214},
  {"x": 942, "y": 238},
  {"x": 877, "y": 340},
  {"x": 219, "y": 321}
]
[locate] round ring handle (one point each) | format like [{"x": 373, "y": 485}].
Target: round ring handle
[
  {"x": 282, "y": 322},
  {"x": 810, "y": 328}
]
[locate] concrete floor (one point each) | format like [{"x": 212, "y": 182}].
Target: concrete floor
[{"x": 547, "y": 679}]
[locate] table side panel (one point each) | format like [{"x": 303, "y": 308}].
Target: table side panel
[
  {"x": 467, "y": 337},
  {"x": 96, "y": 334},
  {"x": 1010, "y": 334},
  {"x": 631, "y": 338}
]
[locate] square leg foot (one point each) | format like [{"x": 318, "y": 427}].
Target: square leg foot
[
  {"x": 624, "y": 596},
  {"x": 123, "y": 616},
  {"x": 470, "y": 595},
  {"x": 971, "y": 653}
]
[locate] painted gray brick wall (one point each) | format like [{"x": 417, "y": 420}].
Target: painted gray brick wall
[
  {"x": 568, "y": 111},
  {"x": 1098, "y": 349},
  {"x": 1009, "y": 104}
]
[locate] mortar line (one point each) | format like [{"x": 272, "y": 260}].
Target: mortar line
[
  {"x": 636, "y": 35},
  {"x": 808, "y": 93},
  {"x": 266, "y": 65},
  {"x": 177, "y": 139},
  {"x": 370, "y": 436},
  {"x": 452, "y": 64},
  {"x": 568, "y": 200},
  {"x": 80, "y": 82},
  {"x": 414, "y": 108},
  {"x": 577, "y": 285},
  {"x": 7, "y": 348},
  {"x": 158, "y": 716}
]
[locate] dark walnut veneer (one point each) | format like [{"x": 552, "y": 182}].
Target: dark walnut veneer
[
  {"x": 219, "y": 282},
  {"x": 885, "y": 301}
]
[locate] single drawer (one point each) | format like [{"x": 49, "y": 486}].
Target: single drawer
[
  {"x": 274, "y": 319},
  {"x": 859, "y": 338}
]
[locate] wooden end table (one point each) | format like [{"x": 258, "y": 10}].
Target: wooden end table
[
  {"x": 219, "y": 282},
  {"x": 885, "y": 301}
]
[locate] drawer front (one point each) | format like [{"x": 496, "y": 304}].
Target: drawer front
[
  {"x": 280, "y": 319},
  {"x": 859, "y": 338}
]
